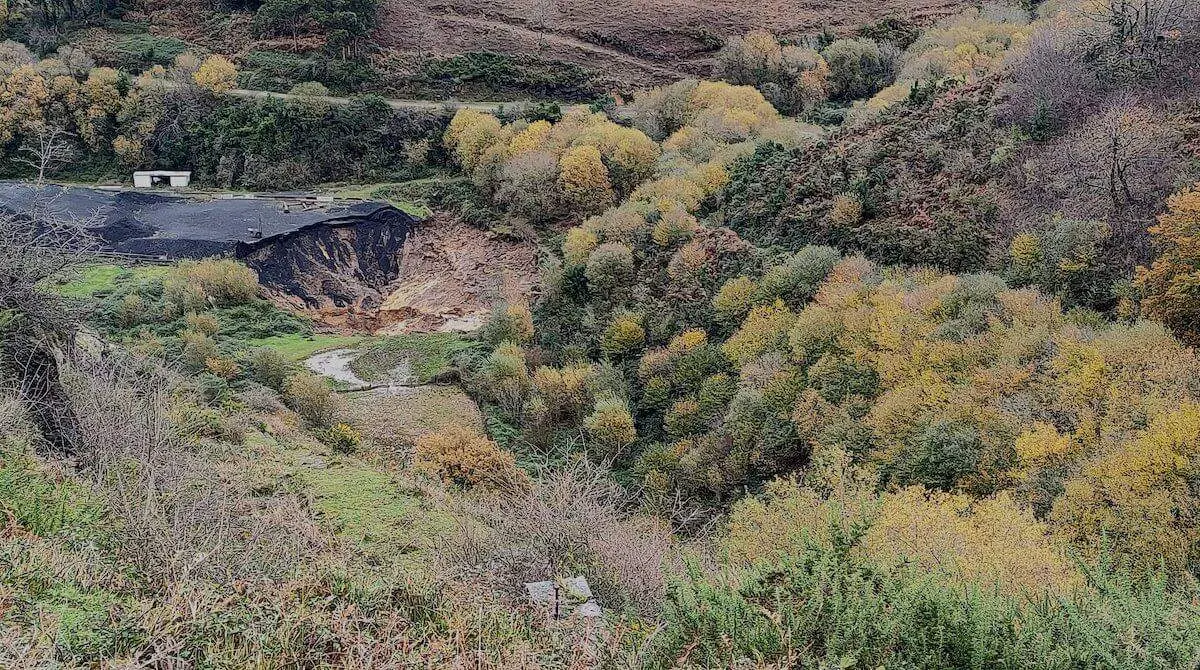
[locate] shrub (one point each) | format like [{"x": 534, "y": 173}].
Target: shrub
[
  {"x": 765, "y": 329},
  {"x": 1171, "y": 283},
  {"x": 269, "y": 367},
  {"x": 225, "y": 368},
  {"x": 624, "y": 336},
  {"x": 584, "y": 180},
  {"x": 505, "y": 378},
  {"x": 216, "y": 74},
  {"x": 197, "y": 349},
  {"x": 858, "y": 67},
  {"x": 200, "y": 285},
  {"x": 578, "y": 245},
  {"x": 796, "y": 279},
  {"x": 839, "y": 605},
  {"x": 734, "y": 300},
  {"x": 131, "y": 311},
  {"x": 509, "y": 323},
  {"x": 461, "y": 456},
  {"x": 610, "y": 268},
  {"x": 309, "y": 396},
  {"x": 203, "y": 323},
  {"x": 684, "y": 418},
  {"x": 611, "y": 426},
  {"x": 344, "y": 438}
]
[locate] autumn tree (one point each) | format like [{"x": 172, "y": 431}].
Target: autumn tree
[
  {"x": 216, "y": 74},
  {"x": 584, "y": 180},
  {"x": 1171, "y": 285}
]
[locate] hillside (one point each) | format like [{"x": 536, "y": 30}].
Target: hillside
[
  {"x": 634, "y": 43},
  {"x": 766, "y": 336}
]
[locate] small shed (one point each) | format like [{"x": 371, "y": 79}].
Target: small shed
[{"x": 152, "y": 178}]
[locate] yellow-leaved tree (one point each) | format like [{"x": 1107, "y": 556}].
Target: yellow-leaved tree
[
  {"x": 584, "y": 180},
  {"x": 217, "y": 74},
  {"x": 1138, "y": 501},
  {"x": 1171, "y": 285}
]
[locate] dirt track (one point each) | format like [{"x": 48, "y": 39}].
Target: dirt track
[
  {"x": 394, "y": 103},
  {"x": 567, "y": 41}
]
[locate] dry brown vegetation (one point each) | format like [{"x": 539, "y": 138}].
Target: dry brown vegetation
[{"x": 632, "y": 41}]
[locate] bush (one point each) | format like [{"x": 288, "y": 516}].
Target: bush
[
  {"x": 344, "y": 438},
  {"x": 200, "y": 285},
  {"x": 839, "y": 607},
  {"x": 203, "y": 323},
  {"x": 734, "y": 300},
  {"x": 610, "y": 268},
  {"x": 217, "y": 74},
  {"x": 509, "y": 323},
  {"x": 461, "y": 456},
  {"x": 309, "y": 396},
  {"x": 858, "y": 68},
  {"x": 611, "y": 426},
  {"x": 269, "y": 367},
  {"x": 197, "y": 349},
  {"x": 623, "y": 336},
  {"x": 224, "y": 368},
  {"x": 764, "y": 330}
]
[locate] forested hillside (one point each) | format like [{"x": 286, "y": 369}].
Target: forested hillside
[{"x": 871, "y": 345}]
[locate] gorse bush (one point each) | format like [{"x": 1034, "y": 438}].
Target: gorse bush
[
  {"x": 200, "y": 285},
  {"x": 823, "y": 607},
  {"x": 460, "y": 455}
]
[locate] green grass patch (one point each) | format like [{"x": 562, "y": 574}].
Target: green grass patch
[
  {"x": 101, "y": 278},
  {"x": 44, "y": 504},
  {"x": 410, "y": 197},
  {"x": 298, "y": 346},
  {"x": 91, "y": 625},
  {"x": 373, "y": 509},
  {"x": 426, "y": 354}
]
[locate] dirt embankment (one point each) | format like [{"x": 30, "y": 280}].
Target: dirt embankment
[
  {"x": 392, "y": 276},
  {"x": 333, "y": 268},
  {"x": 451, "y": 276}
]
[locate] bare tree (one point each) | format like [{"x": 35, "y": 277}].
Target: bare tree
[
  {"x": 1137, "y": 37},
  {"x": 48, "y": 149},
  {"x": 38, "y": 324}
]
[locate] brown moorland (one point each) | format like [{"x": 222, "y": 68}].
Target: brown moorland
[{"x": 630, "y": 40}]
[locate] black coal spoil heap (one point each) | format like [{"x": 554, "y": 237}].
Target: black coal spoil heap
[{"x": 176, "y": 226}]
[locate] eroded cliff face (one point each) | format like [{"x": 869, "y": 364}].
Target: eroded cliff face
[
  {"x": 334, "y": 268},
  {"x": 385, "y": 272}
]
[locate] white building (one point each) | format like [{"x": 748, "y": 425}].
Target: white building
[{"x": 152, "y": 178}]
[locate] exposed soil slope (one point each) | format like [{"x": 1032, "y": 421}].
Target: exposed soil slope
[
  {"x": 343, "y": 268},
  {"x": 451, "y": 276},
  {"x": 397, "y": 275}
]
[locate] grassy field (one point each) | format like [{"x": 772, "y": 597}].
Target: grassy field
[
  {"x": 390, "y": 193},
  {"x": 298, "y": 347},
  {"x": 97, "y": 279}
]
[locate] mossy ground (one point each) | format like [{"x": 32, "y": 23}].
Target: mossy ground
[
  {"x": 427, "y": 354},
  {"x": 364, "y": 501},
  {"x": 101, "y": 278}
]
